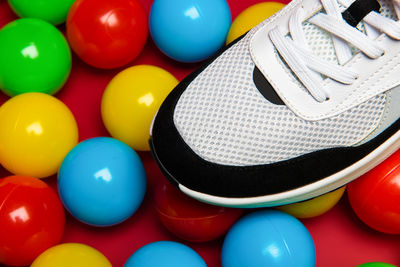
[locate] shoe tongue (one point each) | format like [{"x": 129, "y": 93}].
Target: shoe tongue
[
  {"x": 358, "y": 10},
  {"x": 320, "y": 41}
]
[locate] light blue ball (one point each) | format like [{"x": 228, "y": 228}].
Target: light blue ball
[
  {"x": 189, "y": 30},
  {"x": 165, "y": 254},
  {"x": 268, "y": 238},
  {"x": 102, "y": 181}
]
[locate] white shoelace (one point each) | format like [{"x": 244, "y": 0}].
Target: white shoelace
[{"x": 309, "y": 67}]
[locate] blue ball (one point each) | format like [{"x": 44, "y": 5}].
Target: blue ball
[
  {"x": 165, "y": 254},
  {"x": 268, "y": 238},
  {"x": 189, "y": 30},
  {"x": 102, "y": 181}
]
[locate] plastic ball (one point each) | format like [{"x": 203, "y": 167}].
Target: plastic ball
[
  {"x": 375, "y": 196},
  {"x": 189, "y": 30},
  {"x": 190, "y": 219},
  {"x": 71, "y": 254},
  {"x": 34, "y": 57},
  {"x": 102, "y": 181},
  {"x": 107, "y": 34},
  {"x": 139, "y": 92},
  {"x": 165, "y": 254},
  {"x": 32, "y": 219},
  {"x": 51, "y": 11},
  {"x": 376, "y": 264},
  {"x": 251, "y": 17},
  {"x": 268, "y": 238},
  {"x": 36, "y": 133},
  {"x": 314, "y": 207}
]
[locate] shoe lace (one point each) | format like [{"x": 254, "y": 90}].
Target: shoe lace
[{"x": 308, "y": 67}]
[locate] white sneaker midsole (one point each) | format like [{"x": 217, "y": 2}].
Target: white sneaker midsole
[{"x": 323, "y": 186}]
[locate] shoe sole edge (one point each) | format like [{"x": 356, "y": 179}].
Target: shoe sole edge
[{"x": 309, "y": 191}]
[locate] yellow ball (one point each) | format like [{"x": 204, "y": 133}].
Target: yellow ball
[
  {"x": 251, "y": 17},
  {"x": 131, "y": 100},
  {"x": 314, "y": 207},
  {"x": 36, "y": 133},
  {"x": 71, "y": 255}
]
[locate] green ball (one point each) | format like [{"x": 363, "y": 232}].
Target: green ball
[
  {"x": 53, "y": 11},
  {"x": 376, "y": 264},
  {"x": 34, "y": 57}
]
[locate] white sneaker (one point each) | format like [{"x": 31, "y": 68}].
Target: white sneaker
[{"x": 302, "y": 104}]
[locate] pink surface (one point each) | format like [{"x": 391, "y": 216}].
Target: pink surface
[{"x": 340, "y": 238}]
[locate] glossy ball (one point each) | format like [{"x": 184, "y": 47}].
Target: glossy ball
[
  {"x": 139, "y": 92},
  {"x": 314, "y": 207},
  {"x": 107, "y": 34},
  {"x": 32, "y": 219},
  {"x": 54, "y": 12},
  {"x": 71, "y": 254},
  {"x": 165, "y": 254},
  {"x": 36, "y": 133},
  {"x": 268, "y": 238},
  {"x": 34, "y": 57},
  {"x": 102, "y": 181},
  {"x": 375, "y": 196},
  {"x": 190, "y": 219},
  {"x": 251, "y": 17},
  {"x": 189, "y": 30},
  {"x": 376, "y": 264}
]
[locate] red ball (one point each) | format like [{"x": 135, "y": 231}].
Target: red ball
[
  {"x": 375, "y": 196},
  {"x": 32, "y": 219},
  {"x": 107, "y": 33},
  {"x": 190, "y": 219}
]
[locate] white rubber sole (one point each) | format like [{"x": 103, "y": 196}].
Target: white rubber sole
[{"x": 323, "y": 186}]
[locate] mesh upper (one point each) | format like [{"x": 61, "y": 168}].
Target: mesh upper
[{"x": 224, "y": 118}]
